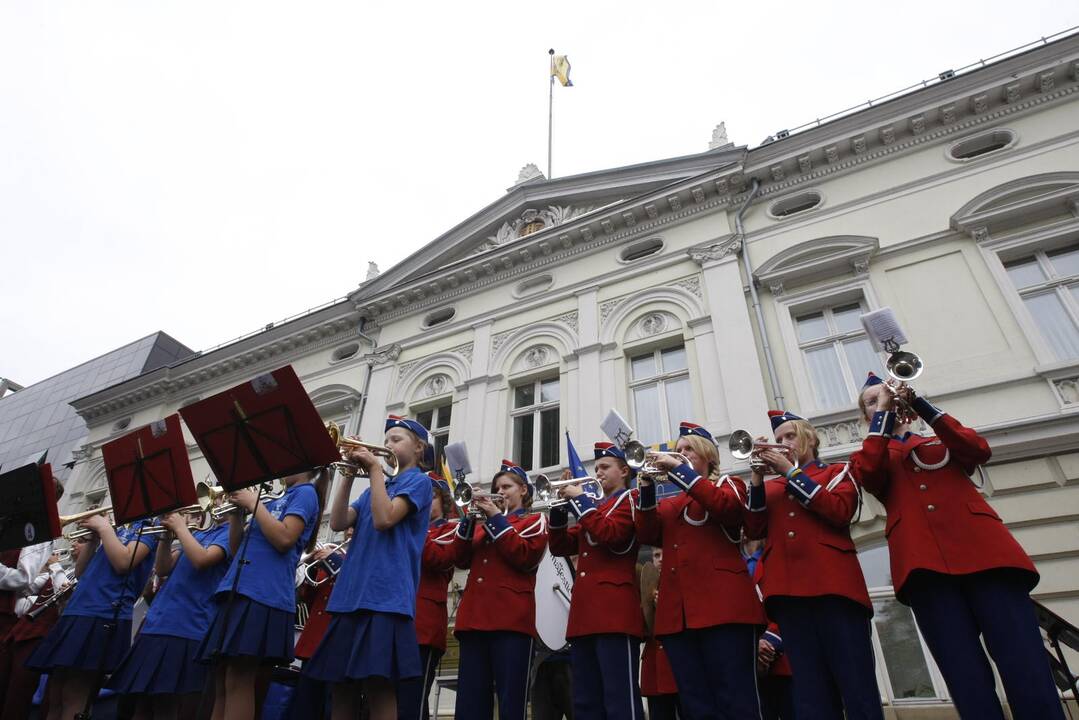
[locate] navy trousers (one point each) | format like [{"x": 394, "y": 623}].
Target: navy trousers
[
  {"x": 828, "y": 641},
  {"x": 954, "y": 612},
  {"x": 663, "y": 707},
  {"x": 776, "y": 699},
  {"x": 715, "y": 669},
  {"x": 412, "y": 694},
  {"x": 606, "y": 668},
  {"x": 493, "y": 660}
]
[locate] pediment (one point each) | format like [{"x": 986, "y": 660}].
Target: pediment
[
  {"x": 818, "y": 258},
  {"x": 1020, "y": 202},
  {"x": 533, "y": 208}
]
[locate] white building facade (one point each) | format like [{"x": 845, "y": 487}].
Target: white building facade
[{"x": 956, "y": 205}]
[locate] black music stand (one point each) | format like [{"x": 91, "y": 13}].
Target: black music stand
[
  {"x": 260, "y": 430},
  {"x": 149, "y": 472},
  {"x": 28, "y": 510}
]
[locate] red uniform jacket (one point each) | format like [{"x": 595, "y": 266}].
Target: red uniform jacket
[
  {"x": 7, "y": 597},
  {"x": 436, "y": 571},
  {"x": 704, "y": 578},
  {"x": 657, "y": 678},
  {"x": 502, "y": 554},
  {"x": 606, "y": 598},
  {"x": 809, "y": 551},
  {"x": 937, "y": 519},
  {"x": 26, "y": 628},
  {"x": 318, "y": 620}
]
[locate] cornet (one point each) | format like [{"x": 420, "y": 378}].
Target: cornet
[
  {"x": 744, "y": 447},
  {"x": 390, "y": 464},
  {"x": 547, "y": 491},
  {"x": 464, "y": 495},
  {"x": 194, "y": 524},
  {"x": 903, "y": 367},
  {"x": 641, "y": 459}
]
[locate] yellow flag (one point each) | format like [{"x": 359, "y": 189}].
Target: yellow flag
[
  {"x": 560, "y": 70},
  {"x": 447, "y": 475}
]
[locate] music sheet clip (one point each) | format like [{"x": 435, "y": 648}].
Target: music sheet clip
[
  {"x": 615, "y": 427},
  {"x": 883, "y": 330},
  {"x": 457, "y": 460}
]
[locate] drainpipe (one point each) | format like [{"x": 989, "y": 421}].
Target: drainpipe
[
  {"x": 765, "y": 346},
  {"x": 367, "y": 379}
]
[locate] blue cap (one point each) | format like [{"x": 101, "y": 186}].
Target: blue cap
[
  {"x": 687, "y": 428},
  {"x": 508, "y": 466},
  {"x": 778, "y": 417},
  {"x": 419, "y": 431},
  {"x": 871, "y": 381}
]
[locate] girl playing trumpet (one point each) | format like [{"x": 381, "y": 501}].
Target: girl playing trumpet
[
  {"x": 370, "y": 645},
  {"x": 809, "y": 575},
  {"x": 708, "y": 613}
]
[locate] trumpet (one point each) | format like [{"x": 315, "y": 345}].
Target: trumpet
[
  {"x": 744, "y": 447},
  {"x": 208, "y": 494},
  {"x": 464, "y": 495},
  {"x": 547, "y": 491},
  {"x": 83, "y": 532},
  {"x": 194, "y": 523},
  {"x": 641, "y": 458},
  {"x": 903, "y": 367},
  {"x": 391, "y": 466}
]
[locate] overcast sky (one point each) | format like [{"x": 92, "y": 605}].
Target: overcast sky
[{"x": 204, "y": 168}]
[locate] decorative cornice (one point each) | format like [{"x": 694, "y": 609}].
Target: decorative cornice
[
  {"x": 715, "y": 250},
  {"x": 172, "y": 384},
  {"x": 383, "y": 355}
]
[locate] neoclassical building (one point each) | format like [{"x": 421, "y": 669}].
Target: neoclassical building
[{"x": 716, "y": 286}]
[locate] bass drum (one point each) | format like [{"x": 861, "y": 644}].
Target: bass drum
[{"x": 554, "y": 587}]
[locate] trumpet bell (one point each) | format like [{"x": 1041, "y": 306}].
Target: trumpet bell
[
  {"x": 904, "y": 366},
  {"x": 636, "y": 454},
  {"x": 462, "y": 494},
  {"x": 740, "y": 444}
]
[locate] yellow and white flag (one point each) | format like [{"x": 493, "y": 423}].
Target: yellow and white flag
[{"x": 560, "y": 70}]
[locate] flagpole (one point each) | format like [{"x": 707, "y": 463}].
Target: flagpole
[{"x": 550, "y": 111}]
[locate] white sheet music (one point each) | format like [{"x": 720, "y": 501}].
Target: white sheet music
[
  {"x": 882, "y": 326},
  {"x": 457, "y": 459},
  {"x": 616, "y": 428}
]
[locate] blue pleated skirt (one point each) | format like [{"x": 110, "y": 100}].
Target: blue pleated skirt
[
  {"x": 250, "y": 629},
  {"x": 160, "y": 665},
  {"x": 366, "y": 644},
  {"x": 82, "y": 643}
]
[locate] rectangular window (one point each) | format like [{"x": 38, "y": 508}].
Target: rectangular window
[
  {"x": 536, "y": 424},
  {"x": 437, "y": 420},
  {"x": 837, "y": 353},
  {"x": 659, "y": 385},
  {"x": 1048, "y": 283}
]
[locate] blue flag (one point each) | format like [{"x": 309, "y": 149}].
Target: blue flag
[{"x": 575, "y": 465}]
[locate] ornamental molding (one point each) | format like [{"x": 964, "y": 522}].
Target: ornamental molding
[
  {"x": 381, "y": 356},
  {"x": 464, "y": 351},
  {"x": 171, "y": 385},
  {"x": 982, "y": 97},
  {"x": 530, "y": 221},
  {"x": 716, "y": 249},
  {"x": 569, "y": 320},
  {"x": 438, "y": 384}
]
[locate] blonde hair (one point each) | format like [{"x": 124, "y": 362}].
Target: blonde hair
[
  {"x": 806, "y": 438},
  {"x": 707, "y": 450}
]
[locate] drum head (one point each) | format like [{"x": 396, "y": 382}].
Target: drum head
[{"x": 554, "y": 587}]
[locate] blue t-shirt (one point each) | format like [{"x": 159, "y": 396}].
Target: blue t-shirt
[
  {"x": 269, "y": 575},
  {"x": 183, "y": 607},
  {"x": 100, "y": 586},
  {"x": 382, "y": 567}
]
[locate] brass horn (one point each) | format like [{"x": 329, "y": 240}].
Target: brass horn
[{"x": 390, "y": 464}]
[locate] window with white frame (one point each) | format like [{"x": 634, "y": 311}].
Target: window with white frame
[
  {"x": 535, "y": 417},
  {"x": 659, "y": 384},
  {"x": 1048, "y": 283},
  {"x": 903, "y": 660},
  {"x": 837, "y": 353},
  {"x": 437, "y": 420}
]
